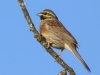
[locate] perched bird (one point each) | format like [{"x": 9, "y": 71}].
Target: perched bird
[{"x": 57, "y": 35}]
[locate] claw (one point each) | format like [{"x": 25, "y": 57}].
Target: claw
[
  {"x": 48, "y": 44},
  {"x": 59, "y": 54}
]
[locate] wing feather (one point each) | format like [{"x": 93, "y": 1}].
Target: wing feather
[{"x": 56, "y": 27}]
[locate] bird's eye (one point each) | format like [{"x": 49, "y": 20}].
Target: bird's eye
[{"x": 45, "y": 13}]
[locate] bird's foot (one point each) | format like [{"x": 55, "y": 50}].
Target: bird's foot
[
  {"x": 48, "y": 44},
  {"x": 59, "y": 54}
]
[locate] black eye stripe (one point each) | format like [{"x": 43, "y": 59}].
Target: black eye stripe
[
  {"x": 48, "y": 14},
  {"x": 45, "y": 13}
]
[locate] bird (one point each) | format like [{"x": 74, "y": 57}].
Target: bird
[{"x": 57, "y": 36}]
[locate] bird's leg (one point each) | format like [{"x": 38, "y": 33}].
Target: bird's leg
[
  {"x": 48, "y": 44},
  {"x": 60, "y": 53}
]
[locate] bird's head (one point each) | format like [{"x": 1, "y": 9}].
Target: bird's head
[{"x": 47, "y": 14}]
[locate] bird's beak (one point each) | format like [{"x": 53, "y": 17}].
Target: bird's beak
[{"x": 39, "y": 14}]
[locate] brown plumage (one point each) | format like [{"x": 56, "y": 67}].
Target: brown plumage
[{"x": 57, "y": 35}]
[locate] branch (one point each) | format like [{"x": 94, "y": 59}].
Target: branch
[
  {"x": 42, "y": 41},
  {"x": 63, "y": 72}
]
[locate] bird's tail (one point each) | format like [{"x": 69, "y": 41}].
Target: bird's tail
[{"x": 75, "y": 52}]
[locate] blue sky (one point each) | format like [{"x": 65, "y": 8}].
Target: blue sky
[{"x": 21, "y": 54}]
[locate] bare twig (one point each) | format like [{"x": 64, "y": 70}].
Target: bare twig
[
  {"x": 42, "y": 41},
  {"x": 63, "y": 72}
]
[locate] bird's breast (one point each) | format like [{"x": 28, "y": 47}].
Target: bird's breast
[{"x": 43, "y": 28}]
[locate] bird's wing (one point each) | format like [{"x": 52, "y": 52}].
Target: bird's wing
[{"x": 56, "y": 27}]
